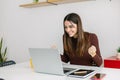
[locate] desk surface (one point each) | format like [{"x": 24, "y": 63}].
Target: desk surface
[{"x": 22, "y": 71}]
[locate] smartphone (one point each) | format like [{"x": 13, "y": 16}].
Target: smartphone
[{"x": 98, "y": 76}]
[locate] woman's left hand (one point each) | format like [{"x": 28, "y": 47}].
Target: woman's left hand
[{"x": 92, "y": 51}]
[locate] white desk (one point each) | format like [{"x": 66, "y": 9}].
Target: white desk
[{"x": 22, "y": 71}]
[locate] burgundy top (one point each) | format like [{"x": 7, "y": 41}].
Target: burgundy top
[{"x": 86, "y": 59}]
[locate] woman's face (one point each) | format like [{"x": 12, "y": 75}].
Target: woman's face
[{"x": 71, "y": 28}]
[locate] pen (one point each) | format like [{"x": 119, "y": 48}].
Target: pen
[{"x": 80, "y": 72}]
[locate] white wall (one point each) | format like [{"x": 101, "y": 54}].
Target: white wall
[
  {"x": 23, "y": 28},
  {"x": 0, "y": 20}
]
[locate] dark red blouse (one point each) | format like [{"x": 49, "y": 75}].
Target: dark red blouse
[{"x": 86, "y": 59}]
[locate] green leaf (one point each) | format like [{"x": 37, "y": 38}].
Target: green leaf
[
  {"x": 2, "y": 54},
  {"x": 1, "y": 44},
  {"x": 118, "y": 50}
]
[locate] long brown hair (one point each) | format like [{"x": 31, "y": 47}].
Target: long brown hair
[{"x": 82, "y": 39}]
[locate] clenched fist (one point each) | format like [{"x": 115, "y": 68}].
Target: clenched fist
[{"x": 92, "y": 51}]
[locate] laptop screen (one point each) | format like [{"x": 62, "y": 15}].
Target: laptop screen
[{"x": 46, "y": 60}]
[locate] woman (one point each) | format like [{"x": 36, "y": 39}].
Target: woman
[{"x": 80, "y": 48}]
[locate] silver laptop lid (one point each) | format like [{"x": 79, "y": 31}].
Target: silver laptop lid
[{"x": 46, "y": 60}]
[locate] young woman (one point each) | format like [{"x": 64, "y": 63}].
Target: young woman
[{"x": 80, "y": 48}]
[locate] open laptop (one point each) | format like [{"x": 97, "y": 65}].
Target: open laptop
[{"x": 48, "y": 61}]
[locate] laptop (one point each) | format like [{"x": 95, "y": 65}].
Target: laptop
[{"x": 48, "y": 61}]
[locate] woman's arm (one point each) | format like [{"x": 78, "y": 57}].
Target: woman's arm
[
  {"x": 94, "y": 50},
  {"x": 65, "y": 58}
]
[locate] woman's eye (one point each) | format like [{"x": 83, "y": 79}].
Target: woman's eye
[
  {"x": 71, "y": 26},
  {"x": 65, "y": 27}
]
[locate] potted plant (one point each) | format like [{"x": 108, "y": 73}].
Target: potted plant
[
  {"x": 35, "y": 1},
  {"x": 118, "y": 50},
  {"x": 118, "y": 53},
  {"x": 3, "y": 52},
  {"x": 3, "y": 57}
]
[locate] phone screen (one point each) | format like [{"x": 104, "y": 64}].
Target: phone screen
[{"x": 97, "y": 76}]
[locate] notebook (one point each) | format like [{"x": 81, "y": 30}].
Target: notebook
[
  {"x": 48, "y": 61},
  {"x": 81, "y": 73}
]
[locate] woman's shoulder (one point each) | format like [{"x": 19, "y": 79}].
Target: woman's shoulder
[
  {"x": 93, "y": 35},
  {"x": 90, "y": 34}
]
